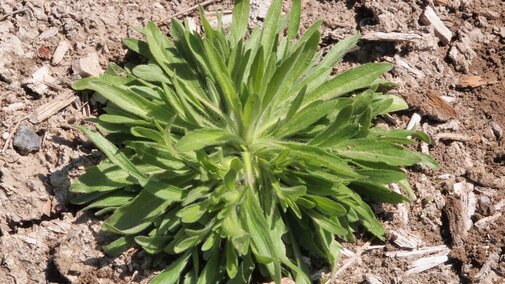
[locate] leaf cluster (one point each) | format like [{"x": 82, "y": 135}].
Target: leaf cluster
[{"x": 239, "y": 153}]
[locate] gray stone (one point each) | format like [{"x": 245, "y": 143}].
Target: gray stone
[
  {"x": 60, "y": 182},
  {"x": 26, "y": 140}
]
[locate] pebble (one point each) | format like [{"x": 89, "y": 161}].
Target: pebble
[
  {"x": 49, "y": 33},
  {"x": 88, "y": 66},
  {"x": 497, "y": 130},
  {"x": 5, "y": 135},
  {"x": 26, "y": 140}
]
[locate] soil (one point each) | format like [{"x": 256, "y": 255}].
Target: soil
[{"x": 43, "y": 239}]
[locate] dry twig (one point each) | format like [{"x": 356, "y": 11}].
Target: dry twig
[
  {"x": 393, "y": 36},
  {"x": 188, "y": 10},
  {"x": 13, "y": 13},
  {"x": 349, "y": 262}
]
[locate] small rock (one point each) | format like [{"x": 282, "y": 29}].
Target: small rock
[
  {"x": 60, "y": 52},
  {"x": 497, "y": 130},
  {"x": 88, "y": 66},
  {"x": 461, "y": 55},
  {"x": 5, "y": 135},
  {"x": 12, "y": 44},
  {"x": 26, "y": 140},
  {"x": 38, "y": 80},
  {"x": 60, "y": 183},
  {"x": 490, "y": 14},
  {"x": 48, "y": 33},
  {"x": 13, "y": 107}
]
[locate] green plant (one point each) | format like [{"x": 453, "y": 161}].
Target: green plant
[{"x": 238, "y": 153}]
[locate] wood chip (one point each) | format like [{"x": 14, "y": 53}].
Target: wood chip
[
  {"x": 372, "y": 279},
  {"x": 453, "y": 137},
  {"x": 60, "y": 52},
  {"x": 429, "y": 17},
  {"x": 469, "y": 203},
  {"x": 405, "y": 240},
  {"x": 393, "y": 36},
  {"x": 414, "y": 121},
  {"x": 440, "y": 105},
  {"x": 52, "y": 107},
  {"x": 482, "y": 223},
  {"x": 400, "y": 62},
  {"x": 426, "y": 263},
  {"x": 426, "y": 250},
  {"x": 471, "y": 81},
  {"x": 441, "y": 2}
]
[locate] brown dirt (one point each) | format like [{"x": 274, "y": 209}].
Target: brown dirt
[{"x": 45, "y": 240}]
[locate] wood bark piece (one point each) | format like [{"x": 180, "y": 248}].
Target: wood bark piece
[
  {"x": 392, "y": 36},
  {"x": 52, "y": 107},
  {"x": 441, "y": 109},
  {"x": 456, "y": 217},
  {"x": 429, "y": 17},
  {"x": 426, "y": 263}
]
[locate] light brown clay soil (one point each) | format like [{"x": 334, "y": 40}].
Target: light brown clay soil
[{"x": 43, "y": 239}]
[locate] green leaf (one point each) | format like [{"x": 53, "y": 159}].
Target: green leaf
[
  {"x": 231, "y": 260},
  {"x": 270, "y": 26},
  {"x": 173, "y": 273},
  {"x": 240, "y": 20},
  {"x": 200, "y": 138},
  {"x": 306, "y": 117},
  {"x": 138, "y": 46},
  {"x": 294, "y": 18},
  {"x": 113, "y": 153},
  {"x": 191, "y": 213},
  {"x": 366, "y": 150},
  {"x": 114, "y": 199},
  {"x": 117, "y": 247},
  {"x": 101, "y": 178},
  {"x": 351, "y": 80},
  {"x": 152, "y": 244},
  {"x": 150, "y": 73},
  {"x": 141, "y": 212},
  {"x": 257, "y": 225},
  {"x": 377, "y": 192}
]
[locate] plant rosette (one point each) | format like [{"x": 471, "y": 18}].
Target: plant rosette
[{"x": 236, "y": 152}]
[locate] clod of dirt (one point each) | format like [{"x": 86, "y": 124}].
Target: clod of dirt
[
  {"x": 87, "y": 66},
  {"x": 26, "y": 140}
]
